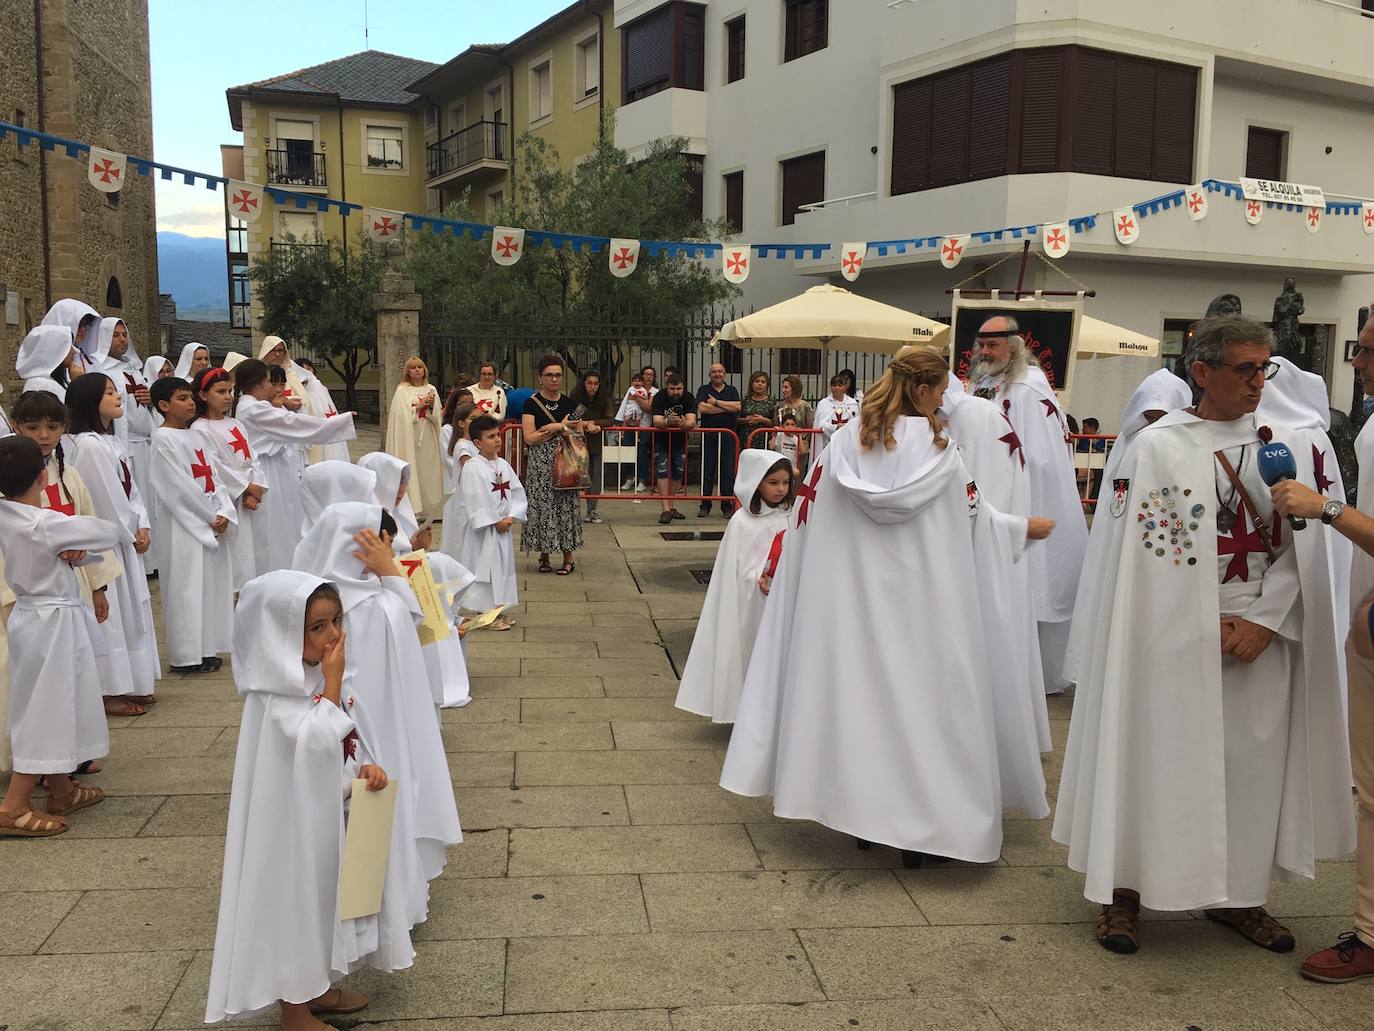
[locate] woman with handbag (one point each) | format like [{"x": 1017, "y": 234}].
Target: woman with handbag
[{"x": 555, "y": 470}]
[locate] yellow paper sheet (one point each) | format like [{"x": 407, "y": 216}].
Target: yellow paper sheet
[
  {"x": 367, "y": 848},
  {"x": 421, "y": 579},
  {"x": 486, "y": 619}
]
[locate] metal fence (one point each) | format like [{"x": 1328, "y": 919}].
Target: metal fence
[{"x": 619, "y": 343}]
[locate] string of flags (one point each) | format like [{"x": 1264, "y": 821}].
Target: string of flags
[{"x": 107, "y": 171}]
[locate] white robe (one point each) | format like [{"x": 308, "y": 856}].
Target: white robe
[
  {"x": 197, "y": 574},
  {"x": 1161, "y": 391},
  {"x": 714, "y": 675},
  {"x": 489, "y": 402},
  {"x": 236, "y": 463},
  {"x": 1033, "y": 409},
  {"x": 995, "y": 459},
  {"x": 412, "y": 435},
  {"x": 389, "y": 676},
  {"x": 182, "y": 370},
  {"x": 1192, "y": 777},
  {"x": 836, "y": 721},
  {"x": 6, "y": 609},
  {"x": 71, "y": 497},
  {"x": 276, "y": 437},
  {"x": 455, "y": 515},
  {"x": 321, "y": 402},
  {"x": 117, "y": 500},
  {"x": 491, "y": 491},
  {"x": 43, "y": 350},
  {"x": 279, "y": 934},
  {"x": 446, "y": 660},
  {"x": 831, "y": 415},
  {"x": 68, "y": 312},
  {"x": 331, "y": 481},
  {"x": 56, "y": 718}
]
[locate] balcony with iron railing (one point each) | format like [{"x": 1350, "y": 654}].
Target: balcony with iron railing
[
  {"x": 296, "y": 168},
  {"x": 481, "y": 145}
]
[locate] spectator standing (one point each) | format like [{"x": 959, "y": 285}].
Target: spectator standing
[
  {"x": 636, "y": 410},
  {"x": 718, "y": 408},
  {"x": 799, "y": 410},
  {"x": 836, "y": 410},
  {"x": 596, "y": 418},
  {"x": 674, "y": 410},
  {"x": 1091, "y": 428},
  {"x": 489, "y": 398},
  {"x": 554, "y": 522},
  {"x": 757, "y": 408}
]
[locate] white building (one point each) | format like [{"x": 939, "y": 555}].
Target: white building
[{"x": 920, "y": 118}]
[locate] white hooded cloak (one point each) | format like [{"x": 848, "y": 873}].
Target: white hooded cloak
[
  {"x": 330, "y": 482},
  {"x": 42, "y": 352},
  {"x": 491, "y": 492},
  {"x": 70, "y": 312}
]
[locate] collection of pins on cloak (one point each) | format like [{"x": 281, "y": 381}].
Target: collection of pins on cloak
[{"x": 1167, "y": 530}]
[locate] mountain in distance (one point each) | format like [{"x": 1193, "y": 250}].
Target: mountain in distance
[{"x": 195, "y": 271}]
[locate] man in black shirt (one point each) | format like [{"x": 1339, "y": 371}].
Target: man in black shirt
[
  {"x": 675, "y": 410},
  {"x": 718, "y": 405}
]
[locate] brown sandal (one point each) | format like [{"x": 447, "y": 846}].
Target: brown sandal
[
  {"x": 345, "y": 1001},
  {"x": 140, "y": 699},
  {"x": 81, "y": 798},
  {"x": 1255, "y": 926},
  {"x": 121, "y": 706},
  {"x": 31, "y": 824},
  {"x": 1118, "y": 925}
]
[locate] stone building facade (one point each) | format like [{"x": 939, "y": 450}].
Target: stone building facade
[{"x": 58, "y": 236}]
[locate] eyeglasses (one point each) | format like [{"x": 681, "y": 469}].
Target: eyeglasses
[
  {"x": 553, "y": 375},
  {"x": 1247, "y": 370}
]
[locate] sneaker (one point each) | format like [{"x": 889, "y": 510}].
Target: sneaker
[
  {"x": 595, "y": 517},
  {"x": 628, "y": 485},
  {"x": 675, "y": 514},
  {"x": 703, "y": 511},
  {"x": 1118, "y": 925},
  {"x": 664, "y": 518},
  {"x": 1348, "y": 960},
  {"x": 641, "y": 488}
]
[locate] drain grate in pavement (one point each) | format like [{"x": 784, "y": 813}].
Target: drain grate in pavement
[
  {"x": 701, "y": 576},
  {"x": 692, "y": 535}
]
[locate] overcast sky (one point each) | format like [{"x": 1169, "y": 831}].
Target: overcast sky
[{"x": 200, "y": 49}]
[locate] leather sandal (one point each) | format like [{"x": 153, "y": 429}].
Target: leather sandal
[
  {"x": 81, "y": 797},
  {"x": 1255, "y": 926},
  {"x": 1118, "y": 925},
  {"x": 30, "y": 824},
  {"x": 338, "y": 1000}
]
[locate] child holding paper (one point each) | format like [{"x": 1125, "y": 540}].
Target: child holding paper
[
  {"x": 494, "y": 499},
  {"x": 280, "y": 940}
]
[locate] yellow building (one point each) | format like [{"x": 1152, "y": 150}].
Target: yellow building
[
  {"x": 557, "y": 81},
  {"x": 347, "y": 129}
]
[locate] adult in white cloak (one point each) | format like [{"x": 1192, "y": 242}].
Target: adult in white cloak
[
  {"x": 870, "y": 741},
  {"x": 93, "y": 403},
  {"x": 389, "y": 676},
  {"x": 412, "y": 435},
  {"x": 276, "y": 436},
  {"x": 730, "y": 616},
  {"x": 280, "y": 936},
  {"x": 295, "y": 398},
  {"x": 1006, "y": 373},
  {"x": 194, "y": 359},
  {"x": 1160, "y": 393},
  {"x": 47, "y": 360},
  {"x": 1207, "y": 752},
  {"x": 996, "y": 461},
  {"x": 80, "y": 319},
  {"x": 321, "y": 403}
]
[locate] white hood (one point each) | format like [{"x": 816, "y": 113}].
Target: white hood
[
  {"x": 69, "y": 312},
  {"x": 754, "y": 464},
  {"x": 44, "y": 349},
  {"x": 892, "y": 486},
  {"x": 327, "y": 550},
  {"x": 1295, "y": 399},
  {"x": 269, "y": 632},
  {"x": 332, "y": 482},
  {"x": 188, "y": 355}
]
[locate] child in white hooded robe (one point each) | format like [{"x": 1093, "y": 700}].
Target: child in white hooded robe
[
  {"x": 237, "y": 465},
  {"x": 391, "y": 682},
  {"x": 280, "y": 939},
  {"x": 495, "y": 500},
  {"x": 714, "y": 675}
]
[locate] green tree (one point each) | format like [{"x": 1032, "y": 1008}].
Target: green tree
[
  {"x": 315, "y": 294},
  {"x": 605, "y": 194}
]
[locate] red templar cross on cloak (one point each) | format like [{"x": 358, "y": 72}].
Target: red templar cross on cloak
[
  {"x": 55, "y": 502},
  {"x": 130, "y": 384},
  {"x": 838, "y": 419},
  {"x": 200, "y": 469},
  {"x": 807, "y": 492},
  {"x": 1013, "y": 443},
  {"x": 238, "y": 442},
  {"x": 501, "y": 487},
  {"x": 1319, "y": 469},
  {"x": 125, "y": 480},
  {"x": 1051, "y": 411},
  {"x": 1240, "y": 544}
]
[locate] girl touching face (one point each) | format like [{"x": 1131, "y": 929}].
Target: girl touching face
[{"x": 323, "y": 628}]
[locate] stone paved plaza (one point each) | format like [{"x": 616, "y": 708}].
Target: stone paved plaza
[{"x": 606, "y": 883}]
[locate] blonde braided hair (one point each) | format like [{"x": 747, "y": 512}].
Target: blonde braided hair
[{"x": 894, "y": 395}]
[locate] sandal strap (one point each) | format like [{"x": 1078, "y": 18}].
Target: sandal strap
[
  {"x": 30, "y": 820},
  {"x": 1255, "y": 924}
]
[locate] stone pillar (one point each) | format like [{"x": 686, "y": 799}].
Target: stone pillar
[{"x": 398, "y": 327}]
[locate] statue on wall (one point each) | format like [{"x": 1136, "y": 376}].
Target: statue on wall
[
  {"x": 1222, "y": 305},
  {"x": 1287, "y": 339}
]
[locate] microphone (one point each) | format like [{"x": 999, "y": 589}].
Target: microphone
[{"x": 1276, "y": 464}]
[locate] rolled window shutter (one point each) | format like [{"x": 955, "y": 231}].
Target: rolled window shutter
[
  {"x": 1175, "y": 113},
  {"x": 1264, "y": 154},
  {"x": 1135, "y": 119},
  {"x": 990, "y": 117},
  {"x": 1040, "y": 109},
  {"x": 950, "y": 96},
  {"x": 911, "y": 137},
  {"x": 648, "y": 46},
  {"x": 1094, "y": 113}
]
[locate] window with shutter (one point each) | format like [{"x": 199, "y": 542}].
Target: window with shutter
[
  {"x": 693, "y": 48},
  {"x": 1175, "y": 114},
  {"x": 806, "y": 27},
  {"x": 734, "y": 201},
  {"x": 991, "y": 108},
  {"x": 1094, "y": 113},
  {"x": 949, "y": 127},
  {"x": 734, "y": 49},
  {"x": 1042, "y": 75},
  {"x": 1264, "y": 149},
  {"x": 911, "y": 137},
  {"x": 648, "y": 54},
  {"x": 803, "y": 182},
  {"x": 696, "y": 170}
]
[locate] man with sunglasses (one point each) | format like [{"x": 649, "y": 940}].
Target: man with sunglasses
[
  {"x": 1005, "y": 372},
  {"x": 1207, "y": 751}
]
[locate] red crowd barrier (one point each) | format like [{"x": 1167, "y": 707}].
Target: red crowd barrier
[{"x": 1089, "y": 453}]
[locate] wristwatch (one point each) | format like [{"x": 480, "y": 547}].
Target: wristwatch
[{"x": 1332, "y": 510}]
